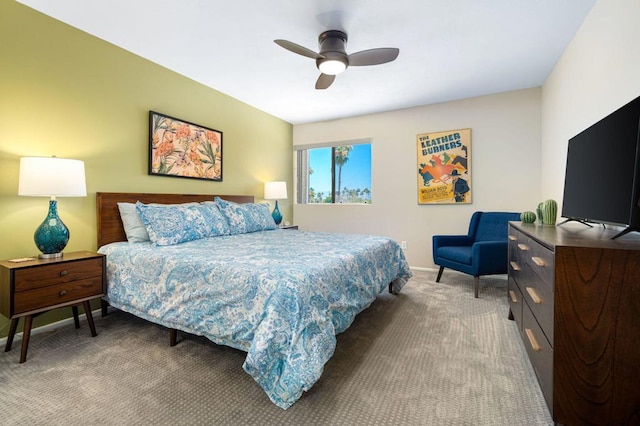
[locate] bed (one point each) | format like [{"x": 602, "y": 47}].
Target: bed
[{"x": 280, "y": 295}]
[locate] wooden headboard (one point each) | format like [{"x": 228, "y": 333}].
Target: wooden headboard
[{"x": 110, "y": 227}]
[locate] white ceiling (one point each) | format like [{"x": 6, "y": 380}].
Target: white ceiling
[{"x": 449, "y": 49}]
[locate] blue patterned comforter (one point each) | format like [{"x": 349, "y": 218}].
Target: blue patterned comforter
[{"x": 280, "y": 295}]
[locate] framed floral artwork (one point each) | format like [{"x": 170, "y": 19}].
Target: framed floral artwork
[{"x": 179, "y": 148}]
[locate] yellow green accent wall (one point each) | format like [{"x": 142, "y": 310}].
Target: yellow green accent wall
[{"x": 69, "y": 94}]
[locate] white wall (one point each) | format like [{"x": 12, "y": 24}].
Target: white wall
[
  {"x": 598, "y": 73},
  {"x": 505, "y": 166}
]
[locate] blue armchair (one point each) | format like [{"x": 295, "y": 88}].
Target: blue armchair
[{"x": 483, "y": 251}]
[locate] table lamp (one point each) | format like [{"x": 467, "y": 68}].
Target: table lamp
[
  {"x": 275, "y": 191},
  {"x": 51, "y": 177}
]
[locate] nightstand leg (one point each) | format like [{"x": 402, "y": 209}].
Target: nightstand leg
[
  {"x": 76, "y": 318},
  {"x": 26, "y": 333},
  {"x": 87, "y": 312},
  {"x": 104, "y": 306},
  {"x": 12, "y": 333}
]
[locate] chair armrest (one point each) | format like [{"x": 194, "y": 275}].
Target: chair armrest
[
  {"x": 490, "y": 257},
  {"x": 450, "y": 240}
]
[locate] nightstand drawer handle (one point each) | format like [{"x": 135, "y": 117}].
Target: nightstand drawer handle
[
  {"x": 63, "y": 273},
  {"x": 532, "y": 339},
  {"x": 513, "y": 238},
  {"x": 534, "y": 295},
  {"x": 538, "y": 261},
  {"x": 62, "y": 293},
  {"x": 513, "y": 296},
  {"x": 523, "y": 247},
  {"x": 514, "y": 266}
]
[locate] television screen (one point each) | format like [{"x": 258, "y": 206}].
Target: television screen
[{"x": 601, "y": 180}]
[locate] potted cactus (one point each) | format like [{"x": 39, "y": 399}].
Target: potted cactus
[
  {"x": 527, "y": 217},
  {"x": 549, "y": 212}
]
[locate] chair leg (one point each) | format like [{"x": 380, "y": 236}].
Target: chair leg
[
  {"x": 476, "y": 284},
  {"x": 439, "y": 274}
]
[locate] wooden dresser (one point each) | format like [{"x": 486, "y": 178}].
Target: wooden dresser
[{"x": 575, "y": 295}]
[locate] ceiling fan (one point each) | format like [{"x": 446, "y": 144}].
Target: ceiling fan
[{"x": 333, "y": 59}]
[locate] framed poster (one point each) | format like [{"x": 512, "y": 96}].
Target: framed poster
[
  {"x": 179, "y": 148},
  {"x": 444, "y": 167}
]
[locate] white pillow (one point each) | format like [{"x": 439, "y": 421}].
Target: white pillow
[{"x": 133, "y": 226}]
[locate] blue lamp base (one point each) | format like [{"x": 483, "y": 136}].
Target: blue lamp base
[
  {"x": 277, "y": 216},
  {"x": 52, "y": 235}
]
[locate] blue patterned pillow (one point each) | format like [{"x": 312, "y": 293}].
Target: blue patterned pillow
[
  {"x": 214, "y": 216},
  {"x": 244, "y": 218},
  {"x": 168, "y": 225},
  {"x": 133, "y": 226}
]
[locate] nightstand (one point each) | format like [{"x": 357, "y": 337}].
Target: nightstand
[
  {"x": 30, "y": 288},
  {"x": 293, "y": 227}
]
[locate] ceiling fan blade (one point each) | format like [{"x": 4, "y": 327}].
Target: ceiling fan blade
[
  {"x": 296, "y": 48},
  {"x": 324, "y": 81},
  {"x": 373, "y": 56}
]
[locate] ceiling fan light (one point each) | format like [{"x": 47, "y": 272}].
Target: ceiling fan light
[{"x": 332, "y": 66}]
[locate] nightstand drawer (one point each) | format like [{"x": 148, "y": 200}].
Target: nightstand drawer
[
  {"x": 56, "y": 273},
  {"x": 48, "y": 297}
]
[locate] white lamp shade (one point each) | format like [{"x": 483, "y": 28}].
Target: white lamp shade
[
  {"x": 51, "y": 176},
  {"x": 275, "y": 190}
]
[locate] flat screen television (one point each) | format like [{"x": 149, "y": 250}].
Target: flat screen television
[{"x": 602, "y": 178}]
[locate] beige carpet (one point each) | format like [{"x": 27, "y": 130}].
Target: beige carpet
[{"x": 433, "y": 355}]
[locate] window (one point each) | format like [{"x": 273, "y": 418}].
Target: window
[{"x": 334, "y": 174}]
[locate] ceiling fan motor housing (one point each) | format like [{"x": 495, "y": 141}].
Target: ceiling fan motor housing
[{"x": 332, "y": 47}]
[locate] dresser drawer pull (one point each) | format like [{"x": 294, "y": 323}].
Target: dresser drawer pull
[
  {"x": 523, "y": 247},
  {"x": 512, "y": 295},
  {"x": 63, "y": 273},
  {"x": 514, "y": 266},
  {"x": 513, "y": 238},
  {"x": 538, "y": 261},
  {"x": 62, "y": 293},
  {"x": 534, "y": 295},
  {"x": 532, "y": 340}
]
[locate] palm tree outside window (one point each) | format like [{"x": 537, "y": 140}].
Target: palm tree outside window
[{"x": 334, "y": 174}]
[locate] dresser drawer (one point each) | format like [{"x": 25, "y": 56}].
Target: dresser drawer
[
  {"x": 542, "y": 263},
  {"x": 513, "y": 243},
  {"x": 538, "y": 257},
  {"x": 51, "y": 296},
  {"x": 517, "y": 269},
  {"x": 516, "y": 260},
  {"x": 540, "y": 354},
  {"x": 519, "y": 249},
  {"x": 539, "y": 298},
  {"x": 522, "y": 249},
  {"x": 56, "y": 273},
  {"x": 515, "y": 302}
]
